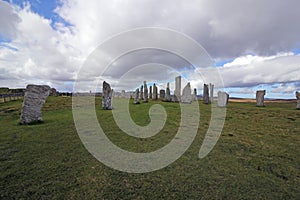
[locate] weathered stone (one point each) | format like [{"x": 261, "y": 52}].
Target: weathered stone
[
  {"x": 154, "y": 92},
  {"x": 211, "y": 92},
  {"x": 136, "y": 98},
  {"x": 142, "y": 93},
  {"x": 150, "y": 92},
  {"x": 53, "y": 92},
  {"x": 222, "y": 99},
  {"x": 187, "y": 94},
  {"x": 168, "y": 93},
  {"x": 205, "y": 94},
  {"x": 162, "y": 94},
  {"x": 195, "y": 98},
  {"x": 260, "y": 97},
  {"x": 177, "y": 92},
  {"x": 107, "y": 96},
  {"x": 34, "y": 99},
  {"x": 145, "y": 92},
  {"x": 298, "y": 100}
]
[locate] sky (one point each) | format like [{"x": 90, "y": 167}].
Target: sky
[{"x": 254, "y": 44}]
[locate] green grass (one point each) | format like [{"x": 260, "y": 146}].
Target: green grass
[{"x": 256, "y": 157}]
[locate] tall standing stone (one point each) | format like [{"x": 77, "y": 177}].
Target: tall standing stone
[
  {"x": 137, "y": 97},
  {"x": 177, "y": 92},
  {"x": 154, "y": 92},
  {"x": 211, "y": 92},
  {"x": 205, "y": 94},
  {"x": 145, "y": 92},
  {"x": 142, "y": 93},
  {"x": 162, "y": 94},
  {"x": 168, "y": 93},
  {"x": 260, "y": 97},
  {"x": 222, "y": 99},
  {"x": 195, "y": 98},
  {"x": 187, "y": 94},
  {"x": 34, "y": 99},
  {"x": 107, "y": 96},
  {"x": 150, "y": 92},
  {"x": 298, "y": 100}
]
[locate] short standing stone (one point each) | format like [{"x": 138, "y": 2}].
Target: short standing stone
[
  {"x": 107, "y": 96},
  {"x": 168, "y": 93},
  {"x": 34, "y": 99},
  {"x": 222, "y": 99},
  {"x": 195, "y": 98},
  {"x": 154, "y": 92},
  {"x": 145, "y": 92},
  {"x": 136, "y": 98},
  {"x": 150, "y": 92},
  {"x": 205, "y": 94},
  {"x": 298, "y": 100},
  {"x": 260, "y": 97},
  {"x": 187, "y": 94},
  {"x": 162, "y": 94}
]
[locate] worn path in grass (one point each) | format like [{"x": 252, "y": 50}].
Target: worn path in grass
[{"x": 257, "y": 156}]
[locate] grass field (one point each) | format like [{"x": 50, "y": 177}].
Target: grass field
[{"x": 256, "y": 157}]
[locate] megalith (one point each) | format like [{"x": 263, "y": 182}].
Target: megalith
[{"x": 107, "y": 96}]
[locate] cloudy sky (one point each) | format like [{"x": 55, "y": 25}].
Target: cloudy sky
[{"x": 255, "y": 44}]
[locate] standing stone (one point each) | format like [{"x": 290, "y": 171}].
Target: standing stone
[
  {"x": 123, "y": 94},
  {"x": 154, "y": 92},
  {"x": 195, "y": 98},
  {"x": 187, "y": 94},
  {"x": 168, "y": 93},
  {"x": 222, "y": 99},
  {"x": 298, "y": 100},
  {"x": 142, "y": 93},
  {"x": 211, "y": 92},
  {"x": 145, "y": 92},
  {"x": 205, "y": 94},
  {"x": 34, "y": 99},
  {"x": 107, "y": 96},
  {"x": 150, "y": 92},
  {"x": 136, "y": 98},
  {"x": 260, "y": 97},
  {"x": 162, "y": 94},
  {"x": 177, "y": 92}
]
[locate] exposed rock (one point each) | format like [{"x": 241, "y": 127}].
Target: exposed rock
[
  {"x": 162, "y": 94},
  {"x": 298, "y": 100},
  {"x": 107, "y": 96},
  {"x": 186, "y": 94},
  {"x": 211, "y": 92},
  {"x": 142, "y": 93},
  {"x": 150, "y": 92},
  {"x": 145, "y": 92},
  {"x": 168, "y": 93},
  {"x": 205, "y": 94},
  {"x": 154, "y": 92},
  {"x": 260, "y": 97},
  {"x": 177, "y": 92},
  {"x": 34, "y": 99},
  {"x": 222, "y": 99},
  {"x": 136, "y": 98}
]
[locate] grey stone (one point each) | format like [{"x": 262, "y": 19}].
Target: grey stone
[
  {"x": 260, "y": 97},
  {"x": 154, "y": 92},
  {"x": 187, "y": 94},
  {"x": 34, "y": 99},
  {"x": 298, "y": 100},
  {"x": 150, "y": 92},
  {"x": 141, "y": 92},
  {"x": 107, "y": 96},
  {"x": 168, "y": 93},
  {"x": 222, "y": 99},
  {"x": 123, "y": 95},
  {"x": 195, "y": 98},
  {"x": 162, "y": 94},
  {"x": 211, "y": 92},
  {"x": 145, "y": 92},
  {"x": 177, "y": 92},
  {"x": 136, "y": 98},
  {"x": 205, "y": 94}
]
